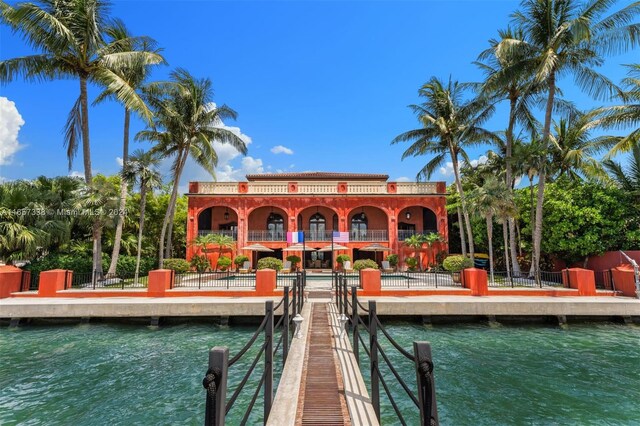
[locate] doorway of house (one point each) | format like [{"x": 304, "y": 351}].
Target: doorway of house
[
  {"x": 359, "y": 254},
  {"x": 277, "y": 253}
]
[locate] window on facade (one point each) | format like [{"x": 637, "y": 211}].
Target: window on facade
[
  {"x": 317, "y": 226},
  {"x": 359, "y": 226},
  {"x": 275, "y": 227}
]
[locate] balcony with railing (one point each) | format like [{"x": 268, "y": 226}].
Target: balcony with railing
[
  {"x": 317, "y": 235},
  {"x": 228, "y": 233},
  {"x": 315, "y": 187},
  {"x": 266, "y": 235},
  {"x": 403, "y": 234},
  {"x": 369, "y": 235}
]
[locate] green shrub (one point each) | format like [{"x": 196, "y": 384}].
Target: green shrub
[
  {"x": 84, "y": 265},
  {"x": 224, "y": 263},
  {"x": 343, "y": 258},
  {"x": 456, "y": 263},
  {"x": 199, "y": 262},
  {"x": 411, "y": 262},
  {"x": 179, "y": 265},
  {"x": 127, "y": 265},
  {"x": 294, "y": 259},
  {"x": 270, "y": 263},
  {"x": 364, "y": 263},
  {"x": 240, "y": 259},
  {"x": 393, "y": 260}
]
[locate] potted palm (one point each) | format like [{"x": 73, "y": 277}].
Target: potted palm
[{"x": 455, "y": 264}]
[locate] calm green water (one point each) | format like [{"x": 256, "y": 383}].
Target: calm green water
[{"x": 102, "y": 374}]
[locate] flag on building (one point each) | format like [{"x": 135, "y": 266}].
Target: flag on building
[
  {"x": 340, "y": 237},
  {"x": 295, "y": 237}
]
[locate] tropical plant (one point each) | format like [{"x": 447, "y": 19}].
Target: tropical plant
[
  {"x": 181, "y": 266},
  {"x": 364, "y": 264},
  {"x": 411, "y": 262},
  {"x": 456, "y": 263},
  {"x": 626, "y": 178},
  {"x": 565, "y": 37},
  {"x": 341, "y": 258},
  {"x": 415, "y": 242},
  {"x": 294, "y": 260},
  {"x": 70, "y": 36},
  {"x": 270, "y": 263},
  {"x": 134, "y": 75},
  {"x": 239, "y": 260},
  {"x": 392, "y": 259},
  {"x": 449, "y": 125},
  {"x": 186, "y": 123},
  {"x": 430, "y": 239},
  {"x": 200, "y": 263},
  {"x": 142, "y": 169},
  {"x": 224, "y": 263}
]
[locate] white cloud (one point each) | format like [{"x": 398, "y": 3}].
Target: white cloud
[
  {"x": 76, "y": 173},
  {"x": 447, "y": 170},
  {"x": 10, "y": 123},
  {"x": 291, "y": 166},
  {"x": 402, "y": 179},
  {"x": 120, "y": 161},
  {"x": 280, "y": 149}
]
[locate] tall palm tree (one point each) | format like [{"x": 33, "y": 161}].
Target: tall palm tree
[
  {"x": 518, "y": 89},
  {"x": 186, "y": 123},
  {"x": 449, "y": 125},
  {"x": 134, "y": 75},
  {"x": 626, "y": 178},
  {"x": 430, "y": 239},
  {"x": 70, "y": 37},
  {"x": 567, "y": 37},
  {"x": 142, "y": 168}
]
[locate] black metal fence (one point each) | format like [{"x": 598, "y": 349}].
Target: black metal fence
[
  {"x": 222, "y": 279},
  {"x": 29, "y": 281},
  {"x": 216, "y": 378},
  {"x": 538, "y": 280},
  {"x": 96, "y": 281},
  {"x": 428, "y": 279},
  {"x": 425, "y": 397},
  {"x": 604, "y": 280}
]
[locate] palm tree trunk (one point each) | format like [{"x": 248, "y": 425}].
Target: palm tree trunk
[
  {"x": 490, "y": 241},
  {"x": 519, "y": 242},
  {"x": 143, "y": 205},
  {"x": 463, "y": 240},
  {"x": 505, "y": 236},
  {"x": 509, "y": 182},
  {"x": 172, "y": 201},
  {"x": 537, "y": 231},
  {"x": 465, "y": 213},
  {"x": 123, "y": 196}
]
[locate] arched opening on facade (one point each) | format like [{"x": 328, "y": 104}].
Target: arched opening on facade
[
  {"x": 218, "y": 220},
  {"x": 267, "y": 224},
  {"x": 318, "y": 223},
  {"x": 416, "y": 220},
  {"x": 368, "y": 224}
]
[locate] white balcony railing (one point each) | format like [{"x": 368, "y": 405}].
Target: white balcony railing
[
  {"x": 369, "y": 235},
  {"x": 265, "y": 235},
  {"x": 319, "y": 187},
  {"x": 229, "y": 233}
]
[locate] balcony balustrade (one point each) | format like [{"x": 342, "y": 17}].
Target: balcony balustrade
[
  {"x": 403, "y": 234},
  {"x": 369, "y": 235},
  {"x": 319, "y": 187},
  {"x": 229, "y": 233},
  {"x": 317, "y": 235},
  {"x": 266, "y": 235}
]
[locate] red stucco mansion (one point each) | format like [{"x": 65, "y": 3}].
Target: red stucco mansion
[{"x": 366, "y": 206}]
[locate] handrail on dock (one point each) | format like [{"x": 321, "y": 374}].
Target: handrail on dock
[{"x": 215, "y": 380}]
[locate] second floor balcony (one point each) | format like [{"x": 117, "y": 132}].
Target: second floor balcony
[
  {"x": 403, "y": 234},
  {"x": 230, "y": 233}
]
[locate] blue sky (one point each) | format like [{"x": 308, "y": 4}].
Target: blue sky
[{"x": 328, "y": 82}]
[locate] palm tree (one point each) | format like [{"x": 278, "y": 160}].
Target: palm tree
[
  {"x": 573, "y": 148},
  {"x": 186, "y": 123},
  {"x": 449, "y": 125},
  {"x": 453, "y": 202},
  {"x": 142, "y": 169},
  {"x": 518, "y": 90},
  {"x": 490, "y": 200},
  {"x": 415, "y": 242},
  {"x": 430, "y": 239},
  {"x": 622, "y": 116},
  {"x": 70, "y": 36},
  {"x": 627, "y": 179},
  {"x": 566, "y": 37},
  {"x": 134, "y": 75}
]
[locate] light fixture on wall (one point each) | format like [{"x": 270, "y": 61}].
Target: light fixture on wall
[
  {"x": 271, "y": 216},
  {"x": 362, "y": 215},
  {"x": 226, "y": 213},
  {"x": 407, "y": 215}
]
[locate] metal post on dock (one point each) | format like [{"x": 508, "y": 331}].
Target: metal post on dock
[
  {"x": 345, "y": 304},
  {"x": 355, "y": 319},
  {"x": 215, "y": 382},
  {"x": 268, "y": 358},
  {"x": 294, "y": 297},
  {"x": 285, "y": 326},
  {"x": 426, "y": 384},
  {"x": 373, "y": 351}
]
